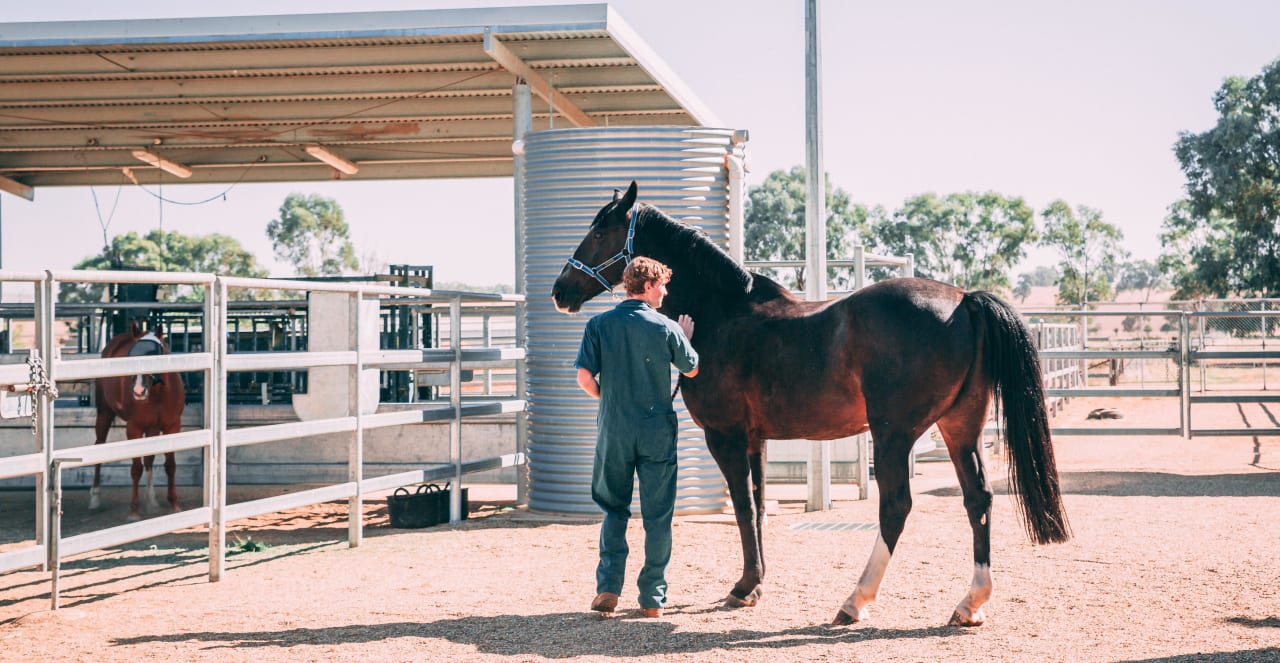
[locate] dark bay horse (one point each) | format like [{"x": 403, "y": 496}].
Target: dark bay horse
[
  {"x": 148, "y": 404},
  {"x": 893, "y": 358}
]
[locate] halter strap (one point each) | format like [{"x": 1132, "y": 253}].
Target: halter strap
[{"x": 625, "y": 255}]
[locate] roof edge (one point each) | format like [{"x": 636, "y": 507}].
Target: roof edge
[
  {"x": 648, "y": 60},
  {"x": 304, "y": 26}
]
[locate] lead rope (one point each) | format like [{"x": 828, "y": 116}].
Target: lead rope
[{"x": 39, "y": 384}]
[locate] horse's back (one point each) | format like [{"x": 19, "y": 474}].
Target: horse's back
[{"x": 803, "y": 369}]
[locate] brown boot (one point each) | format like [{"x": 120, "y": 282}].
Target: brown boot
[
  {"x": 605, "y": 603},
  {"x": 651, "y": 612}
]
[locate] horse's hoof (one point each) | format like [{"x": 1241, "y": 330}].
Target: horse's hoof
[
  {"x": 749, "y": 601},
  {"x": 975, "y": 619},
  {"x": 844, "y": 617},
  {"x": 134, "y": 517}
]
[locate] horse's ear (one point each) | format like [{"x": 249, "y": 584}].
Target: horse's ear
[
  {"x": 617, "y": 193},
  {"x": 629, "y": 198},
  {"x": 134, "y": 328}
]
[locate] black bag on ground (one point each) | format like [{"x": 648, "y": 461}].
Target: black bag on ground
[{"x": 424, "y": 507}]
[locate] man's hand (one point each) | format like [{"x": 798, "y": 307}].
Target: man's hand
[{"x": 686, "y": 325}]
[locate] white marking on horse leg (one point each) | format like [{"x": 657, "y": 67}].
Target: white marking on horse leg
[
  {"x": 969, "y": 612},
  {"x": 151, "y": 489},
  {"x": 95, "y": 498},
  {"x": 869, "y": 584}
]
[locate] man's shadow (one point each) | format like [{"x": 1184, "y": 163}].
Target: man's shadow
[{"x": 559, "y": 635}]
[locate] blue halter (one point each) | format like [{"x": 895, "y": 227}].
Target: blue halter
[{"x": 625, "y": 255}]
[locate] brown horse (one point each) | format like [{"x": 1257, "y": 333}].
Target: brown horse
[
  {"x": 893, "y": 358},
  {"x": 148, "y": 404}
]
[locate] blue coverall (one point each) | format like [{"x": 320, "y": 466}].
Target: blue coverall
[{"x": 632, "y": 348}]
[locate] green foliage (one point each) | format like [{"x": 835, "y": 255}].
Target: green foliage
[
  {"x": 1233, "y": 188},
  {"x": 1041, "y": 276},
  {"x": 1140, "y": 275},
  {"x": 166, "y": 252},
  {"x": 775, "y": 225},
  {"x": 970, "y": 239},
  {"x": 246, "y": 545},
  {"x": 1089, "y": 249},
  {"x": 312, "y": 235}
]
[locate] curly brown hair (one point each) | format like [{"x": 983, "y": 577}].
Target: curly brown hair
[{"x": 642, "y": 270}]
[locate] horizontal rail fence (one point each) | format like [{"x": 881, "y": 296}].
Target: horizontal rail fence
[
  {"x": 282, "y": 326},
  {"x": 1202, "y": 355},
  {"x": 218, "y": 366},
  {"x": 1107, "y": 362}
]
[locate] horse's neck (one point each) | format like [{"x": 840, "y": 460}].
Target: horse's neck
[{"x": 701, "y": 285}]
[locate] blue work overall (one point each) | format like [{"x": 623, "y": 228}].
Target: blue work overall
[{"x": 632, "y": 348}]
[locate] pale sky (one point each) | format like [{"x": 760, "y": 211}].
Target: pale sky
[{"x": 1081, "y": 101}]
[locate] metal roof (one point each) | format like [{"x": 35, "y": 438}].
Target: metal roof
[{"x": 405, "y": 94}]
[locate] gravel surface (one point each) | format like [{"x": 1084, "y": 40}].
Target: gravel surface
[{"x": 1174, "y": 559}]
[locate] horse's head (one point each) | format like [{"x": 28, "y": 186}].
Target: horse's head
[
  {"x": 597, "y": 264},
  {"x": 151, "y": 343}
]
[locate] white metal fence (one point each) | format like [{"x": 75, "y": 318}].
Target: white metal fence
[{"x": 39, "y": 377}]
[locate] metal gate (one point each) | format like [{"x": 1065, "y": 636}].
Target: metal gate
[{"x": 1193, "y": 360}]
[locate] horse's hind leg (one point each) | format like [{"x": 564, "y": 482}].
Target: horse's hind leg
[
  {"x": 730, "y": 452},
  {"x": 893, "y": 481},
  {"x": 962, "y": 430},
  {"x": 100, "y": 428},
  {"x": 171, "y": 465},
  {"x": 171, "y": 470}
]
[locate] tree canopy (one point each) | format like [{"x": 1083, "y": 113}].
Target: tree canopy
[
  {"x": 1089, "y": 250},
  {"x": 969, "y": 239},
  {"x": 312, "y": 235},
  {"x": 1224, "y": 238},
  {"x": 166, "y": 251},
  {"x": 775, "y": 224}
]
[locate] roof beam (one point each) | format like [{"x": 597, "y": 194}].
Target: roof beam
[
  {"x": 171, "y": 167},
  {"x": 335, "y": 161},
  {"x": 17, "y": 188},
  {"x": 512, "y": 63}
]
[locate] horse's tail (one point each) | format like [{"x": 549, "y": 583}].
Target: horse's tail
[{"x": 1013, "y": 365}]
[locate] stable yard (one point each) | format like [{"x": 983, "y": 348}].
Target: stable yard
[{"x": 1176, "y": 557}]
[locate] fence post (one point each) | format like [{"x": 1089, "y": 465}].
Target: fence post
[
  {"x": 355, "y": 452},
  {"x": 1184, "y": 375},
  {"x": 215, "y": 477}
]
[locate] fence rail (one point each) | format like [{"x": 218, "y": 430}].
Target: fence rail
[{"x": 216, "y": 364}]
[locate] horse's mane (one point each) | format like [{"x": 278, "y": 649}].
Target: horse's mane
[{"x": 712, "y": 266}]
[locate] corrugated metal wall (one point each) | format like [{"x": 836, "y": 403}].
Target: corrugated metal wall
[{"x": 570, "y": 174}]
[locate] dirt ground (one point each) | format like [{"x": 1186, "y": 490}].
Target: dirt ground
[{"x": 1176, "y": 557}]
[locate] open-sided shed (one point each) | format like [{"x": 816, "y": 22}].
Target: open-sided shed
[{"x": 381, "y": 95}]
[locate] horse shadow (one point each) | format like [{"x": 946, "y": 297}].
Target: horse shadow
[
  {"x": 1153, "y": 484},
  {"x": 554, "y": 636}
]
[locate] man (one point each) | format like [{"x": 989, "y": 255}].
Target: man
[{"x": 631, "y": 349}]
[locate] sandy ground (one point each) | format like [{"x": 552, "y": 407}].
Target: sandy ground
[{"x": 1176, "y": 557}]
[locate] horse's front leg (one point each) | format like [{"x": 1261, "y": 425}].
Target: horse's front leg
[
  {"x": 100, "y": 429},
  {"x": 730, "y": 452}
]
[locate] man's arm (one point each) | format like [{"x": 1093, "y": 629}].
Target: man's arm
[
  {"x": 588, "y": 382},
  {"x": 686, "y": 326}
]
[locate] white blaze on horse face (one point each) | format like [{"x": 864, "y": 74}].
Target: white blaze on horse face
[
  {"x": 139, "y": 389},
  {"x": 869, "y": 584},
  {"x": 969, "y": 612}
]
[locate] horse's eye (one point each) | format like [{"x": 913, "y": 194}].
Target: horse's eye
[{"x": 597, "y": 234}]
